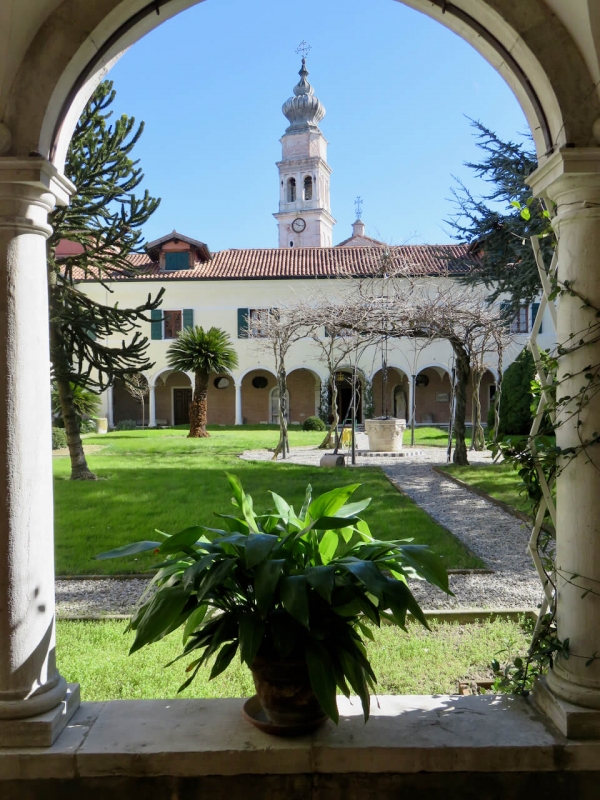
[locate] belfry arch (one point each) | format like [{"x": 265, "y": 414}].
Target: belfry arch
[{"x": 58, "y": 53}]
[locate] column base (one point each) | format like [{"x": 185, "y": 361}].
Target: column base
[
  {"x": 574, "y": 722},
  {"x": 43, "y": 729}
]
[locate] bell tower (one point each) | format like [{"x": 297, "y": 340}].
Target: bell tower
[{"x": 304, "y": 217}]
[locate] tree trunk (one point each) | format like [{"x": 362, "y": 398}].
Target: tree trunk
[
  {"x": 329, "y": 440},
  {"x": 463, "y": 370},
  {"x": 478, "y": 436},
  {"x": 79, "y": 468},
  {"x": 199, "y": 407},
  {"x": 283, "y": 445}
]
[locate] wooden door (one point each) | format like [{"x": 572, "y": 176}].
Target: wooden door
[{"x": 181, "y": 406}]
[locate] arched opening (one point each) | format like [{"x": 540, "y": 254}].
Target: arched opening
[
  {"x": 343, "y": 382},
  {"x": 308, "y": 188},
  {"x": 386, "y": 401},
  {"x": 291, "y": 190},
  {"x": 304, "y": 387},
  {"x": 256, "y": 396},
  {"x": 274, "y": 406},
  {"x": 172, "y": 397},
  {"x": 433, "y": 394}
]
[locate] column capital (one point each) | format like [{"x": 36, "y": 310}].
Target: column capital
[
  {"x": 569, "y": 175},
  {"x": 38, "y": 173},
  {"x": 29, "y": 190}
]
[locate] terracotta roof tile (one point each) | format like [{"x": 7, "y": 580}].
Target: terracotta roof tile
[{"x": 308, "y": 262}]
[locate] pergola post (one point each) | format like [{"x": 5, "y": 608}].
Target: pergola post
[
  {"x": 35, "y": 702},
  {"x": 571, "y": 179}
]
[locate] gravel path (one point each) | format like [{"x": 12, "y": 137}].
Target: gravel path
[{"x": 488, "y": 531}]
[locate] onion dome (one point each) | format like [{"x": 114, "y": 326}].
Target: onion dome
[{"x": 304, "y": 110}]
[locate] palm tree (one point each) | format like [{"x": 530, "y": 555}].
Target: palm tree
[{"x": 201, "y": 352}]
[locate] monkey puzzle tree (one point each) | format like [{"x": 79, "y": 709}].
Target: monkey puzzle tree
[{"x": 103, "y": 220}]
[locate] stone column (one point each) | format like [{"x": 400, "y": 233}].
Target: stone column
[
  {"x": 571, "y": 179},
  {"x": 152, "y": 404},
  {"x": 34, "y": 700},
  {"x": 110, "y": 406},
  {"x": 239, "y": 420}
]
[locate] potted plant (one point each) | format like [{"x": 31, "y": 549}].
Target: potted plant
[{"x": 295, "y": 593}]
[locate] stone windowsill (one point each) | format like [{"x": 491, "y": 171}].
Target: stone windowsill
[{"x": 406, "y": 734}]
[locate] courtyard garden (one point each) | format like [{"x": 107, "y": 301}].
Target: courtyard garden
[{"x": 161, "y": 479}]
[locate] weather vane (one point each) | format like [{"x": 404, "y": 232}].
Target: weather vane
[
  {"x": 358, "y": 203},
  {"x": 303, "y": 48}
]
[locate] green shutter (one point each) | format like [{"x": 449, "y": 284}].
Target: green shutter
[
  {"x": 242, "y": 323},
  {"x": 534, "y": 311},
  {"x": 91, "y": 334},
  {"x": 177, "y": 260},
  {"x": 156, "y": 326},
  {"x": 188, "y": 317}
]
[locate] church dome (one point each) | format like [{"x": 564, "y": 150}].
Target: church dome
[{"x": 304, "y": 110}]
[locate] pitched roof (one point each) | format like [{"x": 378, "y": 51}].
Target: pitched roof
[{"x": 309, "y": 262}]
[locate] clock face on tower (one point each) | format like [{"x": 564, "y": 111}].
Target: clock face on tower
[{"x": 298, "y": 225}]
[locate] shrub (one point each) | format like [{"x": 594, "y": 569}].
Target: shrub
[
  {"x": 87, "y": 426},
  {"x": 313, "y": 424},
  {"x": 125, "y": 425},
  {"x": 516, "y": 417},
  {"x": 59, "y": 438}
]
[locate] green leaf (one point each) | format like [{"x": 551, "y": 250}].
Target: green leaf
[
  {"x": 164, "y": 607},
  {"x": 322, "y": 580},
  {"x": 251, "y": 634},
  {"x": 214, "y": 576},
  {"x": 258, "y": 547},
  {"x": 400, "y": 599},
  {"x": 352, "y": 509},
  {"x": 265, "y": 583},
  {"x": 192, "y": 574},
  {"x": 306, "y": 503},
  {"x": 128, "y": 550},
  {"x": 294, "y": 596},
  {"x": 330, "y": 502},
  {"x": 223, "y": 659},
  {"x": 427, "y": 564},
  {"x": 333, "y": 523},
  {"x": 356, "y": 678},
  {"x": 367, "y": 573},
  {"x": 185, "y": 538},
  {"x": 328, "y": 545},
  {"x": 192, "y": 622},
  {"x": 322, "y": 679},
  {"x": 236, "y": 487}
]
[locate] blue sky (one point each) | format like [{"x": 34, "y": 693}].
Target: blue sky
[{"x": 397, "y": 87}]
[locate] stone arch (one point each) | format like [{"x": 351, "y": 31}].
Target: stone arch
[
  {"x": 256, "y": 401},
  {"x": 432, "y": 399},
  {"x": 304, "y": 387},
  {"x": 61, "y": 62},
  {"x": 397, "y": 380}
]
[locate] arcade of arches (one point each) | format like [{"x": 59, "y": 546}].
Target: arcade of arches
[{"x": 53, "y": 53}]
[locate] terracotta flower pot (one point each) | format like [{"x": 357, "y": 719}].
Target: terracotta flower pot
[{"x": 284, "y": 691}]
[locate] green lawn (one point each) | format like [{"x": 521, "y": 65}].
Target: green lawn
[
  {"x": 161, "y": 479},
  {"x": 498, "y": 480},
  {"x": 94, "y": 654}
]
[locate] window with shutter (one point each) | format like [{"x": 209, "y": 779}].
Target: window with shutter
[
  {"x": 534, "y": 310},
  {"x": 156, "y": 326},
  {"x": 172, "y": 324},
  {"x": 242, "y": 323},
  {"x": 176, "y": 261},
  {"x": 188, "y": 317}
]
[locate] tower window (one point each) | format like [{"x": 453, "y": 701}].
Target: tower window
[
  {"x": 291, "y": 190},
  {"x": 308, "y": 188},
  {"x": 291, "y": 244}
]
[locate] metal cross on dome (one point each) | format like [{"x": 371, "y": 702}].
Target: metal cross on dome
[
  {"x": 358, "y": 203},
  {"x": 303, "y": 48}
]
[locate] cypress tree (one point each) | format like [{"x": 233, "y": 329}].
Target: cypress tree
[
  {"x": 105, "y": 218},
  {"x": 516, "y": 399}
]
